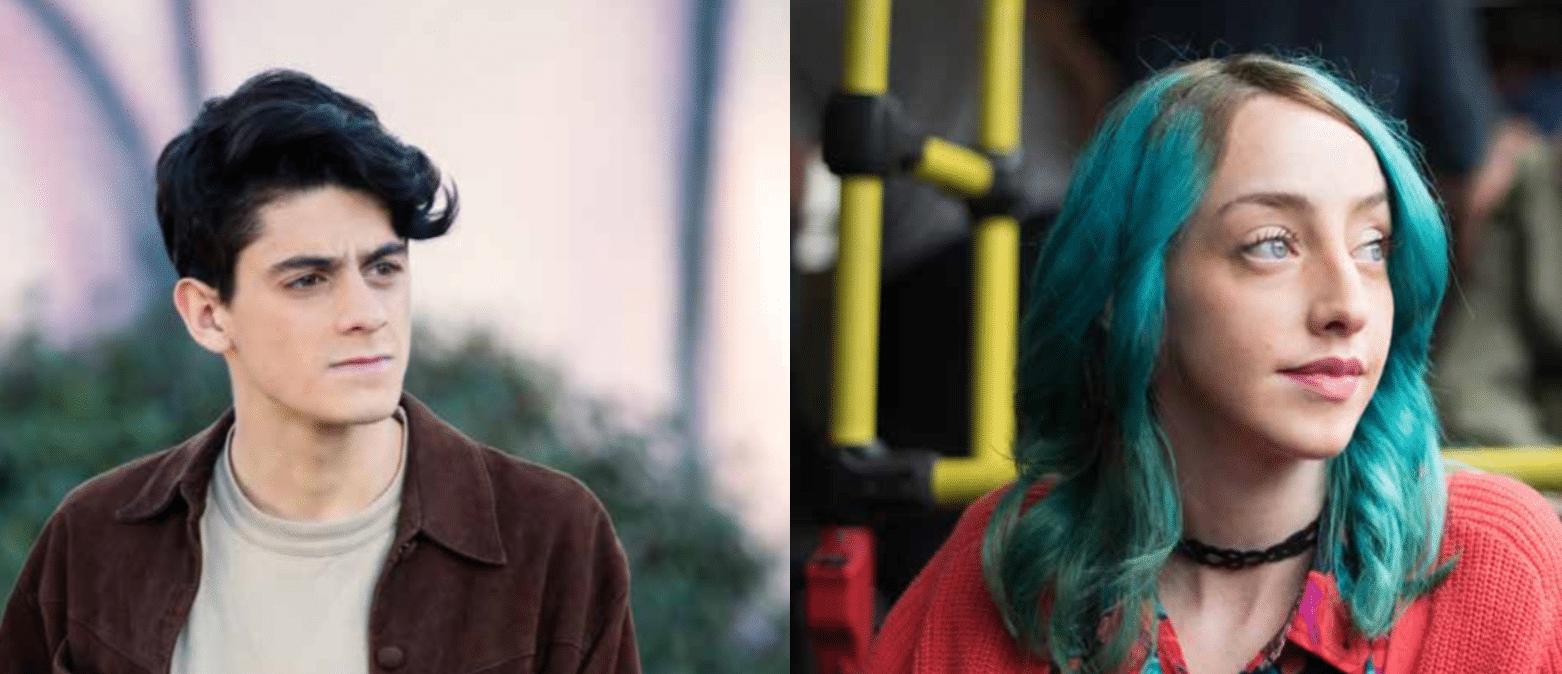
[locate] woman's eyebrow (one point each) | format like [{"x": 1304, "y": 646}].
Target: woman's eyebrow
[
  {"x": 1291, "y": 201},
  {"x": 1371, "y": 200}
]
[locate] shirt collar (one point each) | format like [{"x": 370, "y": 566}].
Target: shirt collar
[
  {"x": 1322, "y": 625},
  {"x": 447, "y": 493}
]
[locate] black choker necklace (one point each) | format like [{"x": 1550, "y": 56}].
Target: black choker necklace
[{"x": 1224, "y": 558}]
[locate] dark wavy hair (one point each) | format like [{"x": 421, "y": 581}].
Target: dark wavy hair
[{"x": 282, "y": 132}]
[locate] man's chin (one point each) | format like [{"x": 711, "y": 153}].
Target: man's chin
[{"x": 361, "y": 407}]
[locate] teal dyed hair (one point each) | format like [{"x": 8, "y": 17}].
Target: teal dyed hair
[{"x": 1091, "y": 337}]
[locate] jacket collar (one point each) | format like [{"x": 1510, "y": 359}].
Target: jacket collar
[{"x": 447, "y": 493}]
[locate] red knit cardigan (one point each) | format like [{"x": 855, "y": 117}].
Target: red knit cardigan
[{"x": 1499, "y": 611}]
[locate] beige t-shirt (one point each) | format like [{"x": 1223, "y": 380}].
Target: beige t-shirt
[{"x": 283, "y": 596}]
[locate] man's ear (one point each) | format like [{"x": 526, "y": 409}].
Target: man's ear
[{"x": 203, "y": 315}]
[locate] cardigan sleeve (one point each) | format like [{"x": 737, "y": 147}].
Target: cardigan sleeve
[
  {"x": 945, "y": 622},
  {"x": 1500, "y": 610},
  {"x": 898, "y": 642}
]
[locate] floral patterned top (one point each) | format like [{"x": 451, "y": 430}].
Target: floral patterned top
[{"x": 1317, "y": 639}]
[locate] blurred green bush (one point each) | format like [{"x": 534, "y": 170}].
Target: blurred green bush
[{"x": 66, "y": 416}]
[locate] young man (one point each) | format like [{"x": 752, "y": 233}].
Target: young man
[{"x": 328, "y": 522}]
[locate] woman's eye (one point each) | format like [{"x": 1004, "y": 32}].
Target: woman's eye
[
  {"x": 1373, "y": 251},
  {"x": 1273, "y": 248}
]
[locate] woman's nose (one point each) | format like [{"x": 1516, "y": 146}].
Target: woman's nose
[{"x": 1339, "y": 298}]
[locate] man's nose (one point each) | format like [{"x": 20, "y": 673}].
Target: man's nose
[{"x": 359, "y": 306}]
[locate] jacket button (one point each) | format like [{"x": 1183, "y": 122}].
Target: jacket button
[{"x": 391, "y": 657}]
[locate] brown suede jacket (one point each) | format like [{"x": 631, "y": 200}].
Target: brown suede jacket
[{"x": 498, "y": 565}]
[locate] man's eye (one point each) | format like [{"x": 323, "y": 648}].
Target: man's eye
[
  {"x": 1272, "y": 248},
  {"x": 305, "y": 281},
  {"x": 387, "y": 268}
]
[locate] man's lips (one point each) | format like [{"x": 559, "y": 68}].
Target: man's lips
[
  {"x": 1334, "y": 379},
  {"x": 361, "y": 361}
]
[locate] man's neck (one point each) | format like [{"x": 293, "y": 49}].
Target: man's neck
[{"x": 302, "y": 470}]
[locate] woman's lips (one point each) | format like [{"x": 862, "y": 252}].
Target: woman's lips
[{"x": 1330, "y": 387}]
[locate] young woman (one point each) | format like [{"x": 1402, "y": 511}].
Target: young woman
[{"x": 1228, "y": 457}]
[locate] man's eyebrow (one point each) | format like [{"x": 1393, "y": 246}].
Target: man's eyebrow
[
  {"x": 325, "y": 263},
  {"x": 384, "y": 251},
  {"x": 1290, "y": 201}
]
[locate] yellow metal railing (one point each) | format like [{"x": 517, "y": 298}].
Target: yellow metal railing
[
  {"x": 956, "y": 167},
  {"x": 996, "y": 306},
  {"x": 1540, "y": 467},
  {"x": 866, "y": 72},
  {"x": 997, "y": 282}
]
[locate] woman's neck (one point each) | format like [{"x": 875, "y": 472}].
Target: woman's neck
[
  {"x": 1236, "y": 493},
  {"x": 1244, "y": 499}
]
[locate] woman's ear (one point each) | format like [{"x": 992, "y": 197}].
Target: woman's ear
[{"x": 204, "y": 315}]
